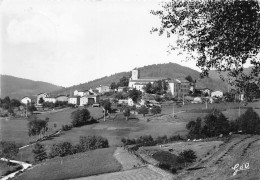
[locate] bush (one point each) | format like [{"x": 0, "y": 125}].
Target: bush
[
  {"x": 39, "y": 152},
  {"x": 61, "y": 149},
  {"x": 143, "y": 110},
  {"x": 188, "y": 156},
  {"x": 145, "y": 141},
  {"x": 249, "y": 122},
  {"x": 156, "y": 110},
  {"x": 66, "y": 127},
  {"x": 173, "y": 170},
  {"x": 164, "y": 166},
  {"x": 92, "y": 142},
  {"x": 80, "y": 117},
  {"x": 161, "y": 140}
]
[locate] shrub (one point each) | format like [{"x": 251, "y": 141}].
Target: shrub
[
  {"x": 66, "y": 127},
  {"x": 161, "y": 139},
  {"x": 187, "y": 156},
  {"x": 145, "y": 141},
  {"x": 80, "y": 117},
  {"x": 39, "y": 152},
  {"x": 175, "y": 138},
  {"x": 61, "y": 149},
  {"x": 249, "y": 122},
  {"x": 143, "y": 110},
  {"x": 173, "y": 170},
  {"x": 164, "y": 166},
  {"x": 92, "y": 142},
  {"x": 156, "y": 110}
]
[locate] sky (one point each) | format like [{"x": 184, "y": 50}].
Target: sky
[{"x": 68, "y": 42}]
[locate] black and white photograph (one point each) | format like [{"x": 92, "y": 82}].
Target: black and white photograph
[{"x": 129, "y": 89}]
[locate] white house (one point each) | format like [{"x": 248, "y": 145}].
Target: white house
[
  {"x": 103, "y": 89},
  {"x": 137, "y": 83},
  {"x": 78, "y": 93},
  {"x": 89, "y": 99},
  {"x": 62, "y": 98},
  {"x": 74, "y": 100},
  {"x": 50, "y": 99},
  {"x": 217, "y": 94},
  {"x": 83, "y": 101},
  {"x": 26, "y": 100}
]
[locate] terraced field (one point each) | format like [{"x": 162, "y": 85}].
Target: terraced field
[{"x": 240, "y": 149}]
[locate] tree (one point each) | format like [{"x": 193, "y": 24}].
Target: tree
[
  {"x": 39, "y": 152},
  {"x": 195, "y": 129},
  {"x": 41, "y": 100},
  {"x": 143, "y": 110},
  {"x": 249, "y": 122},
  {"x": 156, "y": 110},
  {"x": 37, "y": 126},
  {"x": 187, "y": 156},
  {"x": 8, "y": 149},
  {"x": 189, "y": 78},
  {"x": 124, "y": 81},
  {"x": 7, "y": 100},
  {"x": 215, "y": 124},
  {"x": 221, "y": 35},
  {"x": 148, "y": 88},
  {"x": 126, "y": 112},
  {"x": 80, "y": 117},
  {"x": 135, "y": 95},
  {"x": 15, "y": 103},
  {"x": 32, "y": 108},
  {"x": 113, "y": 86}
]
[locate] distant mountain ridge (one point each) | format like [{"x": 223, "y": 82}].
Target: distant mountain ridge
[
  {"x": 169, "y": 70},
  {"x": 15, "y": 87}
]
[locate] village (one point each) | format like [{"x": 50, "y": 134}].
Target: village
[
  {"x": 130, "y": 90},
  {"x": 181, "y": 90}
]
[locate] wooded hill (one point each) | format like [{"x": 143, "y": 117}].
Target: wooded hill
[
  {"x": 17, "y": 88},
  {"x": 168, "y": 70}
]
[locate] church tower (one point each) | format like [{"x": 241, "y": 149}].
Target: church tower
[{"x": 135, "y": 74}]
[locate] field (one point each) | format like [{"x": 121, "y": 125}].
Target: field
[
  {"x": 114, "y": 130},
  {"x": 79, "y": 165},
  {"x": 201, "y": 149}
]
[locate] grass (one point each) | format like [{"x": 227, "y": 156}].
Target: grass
[
  {"x": 201, "y": 149},
  {"x": 79, "y": 165},
  {"x": 5, "y": 169},
  {"x": 167, "y": 158},
  {"x": 113, "y": 130}
]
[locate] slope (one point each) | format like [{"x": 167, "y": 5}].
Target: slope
[
  {"x": 169, "y": 70},
  {"x": 15, "y": 87}
]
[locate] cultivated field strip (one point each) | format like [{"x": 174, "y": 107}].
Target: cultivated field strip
[
  {"x": 128, "y": 161},
  {"x": 143, "y": 173},
  {"x": 219, "y": 165}
]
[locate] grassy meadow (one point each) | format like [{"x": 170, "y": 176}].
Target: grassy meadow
[
  {"x": 114, "y": 130},
  {"x": 79, "y": 165}
]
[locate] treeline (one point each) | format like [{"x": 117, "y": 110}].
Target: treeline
[
  {"x": 148, "y": 140},
  {"x": 216, "y": 123},
  {"x": 63, "y": 149}
]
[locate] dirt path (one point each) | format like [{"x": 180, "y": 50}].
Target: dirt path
[
  {"x": 128, "y": 161},
  {"x": 219, "y": 166},
  {"x": 25, "y": 166}
]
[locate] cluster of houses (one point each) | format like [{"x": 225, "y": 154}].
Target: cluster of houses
[
  {"x": 178, "y": 87},
  {"x": 79, "y": 98}
]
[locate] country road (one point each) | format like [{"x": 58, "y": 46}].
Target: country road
[{"x": 25, "y": 166}]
